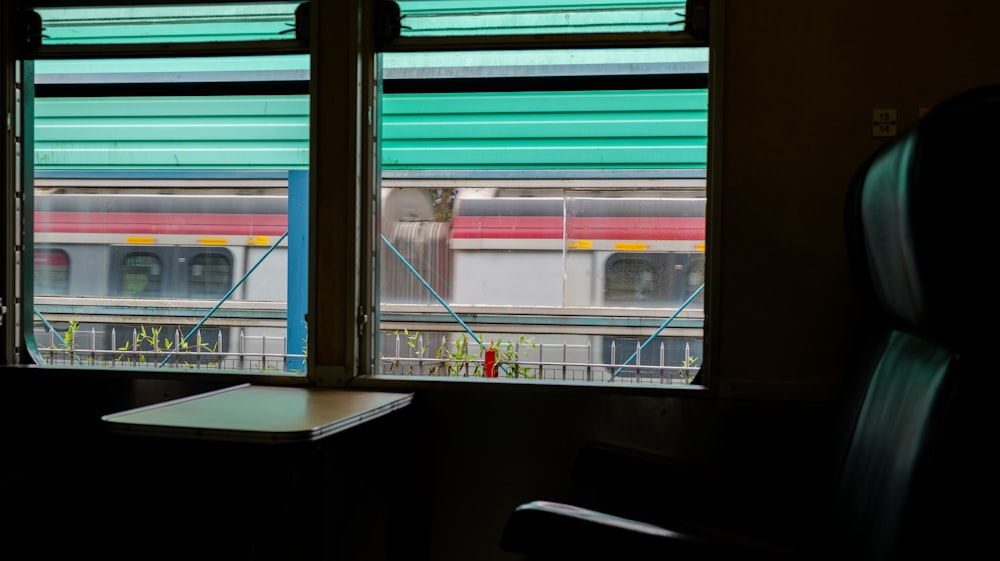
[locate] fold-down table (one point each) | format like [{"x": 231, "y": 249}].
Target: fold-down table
[{"x": 258, "y": 414}]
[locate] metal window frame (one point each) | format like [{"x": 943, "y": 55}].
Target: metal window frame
[{"x": 343, "y": 155}]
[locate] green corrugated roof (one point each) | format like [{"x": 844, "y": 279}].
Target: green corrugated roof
[{"x": 522, "y": 130}]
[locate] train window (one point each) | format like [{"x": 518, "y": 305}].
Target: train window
[
  {"x": 633, "y": 281},
  {"x": 534, "y": 191},
  {"x": 141, "y": 274},
  {"x": 51, "y": 272},
  {"x": 536, "y": 201},
  {"x": 652, "y": 279},
  {"x": 167, "y": 182},
  {"x": 209, "y": 274}
]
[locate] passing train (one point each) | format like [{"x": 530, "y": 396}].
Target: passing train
[
  {"x": 112, "y": 262},
  {"x": 583, "y": 267}
]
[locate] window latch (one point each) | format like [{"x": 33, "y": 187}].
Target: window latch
[
  {"x": 301, "y": 27},
  {"x": 32, "y": 29},
  {"x": 362, "y": 319},
  {"x": 388, "y": 21}
]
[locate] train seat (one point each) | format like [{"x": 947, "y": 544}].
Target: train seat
[{"x": 915, "y": 446}]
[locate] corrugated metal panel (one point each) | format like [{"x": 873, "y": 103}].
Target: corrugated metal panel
[
  {"x": 253, "y": 132},
  {"x": 545, "y": 130},
  {"x": 88, "y": 71},
  {"x": 566, "y": 130}
]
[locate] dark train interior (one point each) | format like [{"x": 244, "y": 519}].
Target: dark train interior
[{"x": 436, "y": 476}]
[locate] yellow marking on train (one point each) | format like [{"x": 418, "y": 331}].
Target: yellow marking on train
[
  {"x": 213, "y": 241},
  {"x": 631, "y": 247},
  {"x": 259, "y": 240},
  {"x": 140, "y": 240},
  {"x": 581, "y": 244},
  {"x": 700, "y": 246}
]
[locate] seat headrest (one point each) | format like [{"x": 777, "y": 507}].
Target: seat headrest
[{"x": 919, "y": 219}]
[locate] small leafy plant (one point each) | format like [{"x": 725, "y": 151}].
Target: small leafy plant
[
  {"x": 459, "y": 359},
  {"x": 149, "y": 342},
  {"x": 508, "y": 356},
  {"x": 685, "y": 374}
]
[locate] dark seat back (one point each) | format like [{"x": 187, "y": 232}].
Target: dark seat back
[{"x": 918, "y": 239}]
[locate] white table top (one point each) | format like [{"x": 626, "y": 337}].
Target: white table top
[{"x": 262, "y": 414}]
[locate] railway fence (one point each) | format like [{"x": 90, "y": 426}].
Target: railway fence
[{"x": 406, "y": 355}]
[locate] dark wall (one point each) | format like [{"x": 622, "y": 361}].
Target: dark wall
[{"x": 801, "y": 82}]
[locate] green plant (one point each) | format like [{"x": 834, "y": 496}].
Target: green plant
[
  {"x": 444, "y": 203},
  {"x": 685, "y": 374},
  {"x": 508, "y": 356},
  {"x": 149, "y": 342},
  {"x": 459, "y": 359},
  {"x": 414, "y": 342},
  {"x": 69, "y": 339}
]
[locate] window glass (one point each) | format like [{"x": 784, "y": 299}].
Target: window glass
[
  {"x": 546, "y": 216},
  {"x": 183, "y": 23},
  {"x": 168, "y": 187},
  {"x": 487, "y": 17}
]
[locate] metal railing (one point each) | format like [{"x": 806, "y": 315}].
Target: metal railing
[
  {"x": 151, "y": 348},
  {"x": 406, "y": 355},
  {"x": 412, "y": 355}
]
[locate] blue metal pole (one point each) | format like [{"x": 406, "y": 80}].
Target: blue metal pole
[{"x": 298, "y": 267}]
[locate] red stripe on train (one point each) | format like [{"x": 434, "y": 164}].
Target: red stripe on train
[
  {"x": 153, "y": 223},
  {"x": 591, "y": 228}
]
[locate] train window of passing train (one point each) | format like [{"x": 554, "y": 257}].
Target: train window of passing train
[
  {"x": 141, "y": 275},
  {"x": 209, "y": 275},
  {"x": 51, "y": 272},
  {"x": 543, "y": 210},
  {"x": 652, "y": 279}
]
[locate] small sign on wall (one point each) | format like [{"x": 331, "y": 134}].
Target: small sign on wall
[{"x": 883, "y": 122}]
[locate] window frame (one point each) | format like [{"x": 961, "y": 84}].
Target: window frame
[
  {"x": 343, "y": 162},
  {"x": 712, "y": 40},
  {"x": 17, "y": 60}
]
